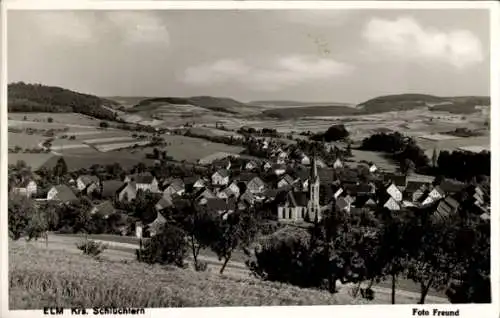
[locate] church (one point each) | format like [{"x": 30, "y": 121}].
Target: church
[{"x": 303, "y": 205}]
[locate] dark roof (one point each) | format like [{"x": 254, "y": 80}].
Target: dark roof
[
  {"x": 295, "y": 198},
  {"x": 65, "y": 194},
  {"x": 217, "y": 204},
  {"x": 413, "y": 186},
  {"x": 110, "y": 188},
  {"x": 326, "y": 175},
  {"x": 164, "y": 202},
  {"x": 399, "y": 180},
  {"x": 143, "y": 178},
  {"x": 258, "y": 181},
  {"x": 449, "y": 186},
  {"x": 191, "y": 180},
  {"x": 245, "y": 177},
  {"x": 278, "y": 166},
  {"x": 105, "y": 209},
  {"x": 177, "y": 185},
  {"x": 223, "y": 173}
]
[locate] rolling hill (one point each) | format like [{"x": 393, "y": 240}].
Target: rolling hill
[
  {"x": 311, "y": 111},
  {"x": 285, "y": 103},
  {"x": 218, "y": 104},
  {"x": 24, "y": 97},
  {"x": 401, "y": 102}
]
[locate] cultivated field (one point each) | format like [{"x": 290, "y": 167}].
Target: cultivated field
[
  {"x": 77, "y": 280},
  {"x": 24, "y": 140},
  {"x": 34, "y": 160},
  {"x": 58, "y": 118}
]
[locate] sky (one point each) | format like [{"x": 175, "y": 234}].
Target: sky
[{"x": 302, "y": 55}]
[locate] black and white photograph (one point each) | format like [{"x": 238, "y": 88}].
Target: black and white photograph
[{"x": 239, "y": 156}]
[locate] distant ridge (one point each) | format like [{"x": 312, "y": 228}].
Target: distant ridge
[
  {"x": 220, "y": 104},
  {"x": 24, "y": 97},
  {"x": 285, "y": 103}
]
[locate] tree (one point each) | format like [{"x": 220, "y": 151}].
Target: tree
[
  {"x": 50, "y": 120},
  {"x": 407, "y": 166},
  {"x": 434, "y": 159},
  {"x": 104, "y": 124},
  {"x": 167, "y": 247},
  {"x": 60, "y": 169},
  {"x": 20, "y": 211},
  {"x": 238, "y": 230},
  {"x": 198, "y": 224}
]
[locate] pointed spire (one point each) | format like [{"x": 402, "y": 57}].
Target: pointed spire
[{"x": 314, "y": 168}]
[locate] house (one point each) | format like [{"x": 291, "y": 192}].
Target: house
[
  {"x": 373, "y": 168},
  {"x": 399, "y": 180},
  {"x": 85, "y": 181},
  {"x": 199, "y": 184},
  {"x": 61, "y": 193},
  {"x": 446, "y": 207},
  {"x": 204, "y": 195},
  {"x": 434, "y": 195},
  {"x": 392, "y": 204},
  {"x": 343, "y": 204},
  {"x": 415, "y": 190},
  {"x": 109, "y": 188},
  {"x": 127, "y": 192},
  {"x": 176, "y": 187},
  {"x": 267, "y": 165},
  {"x": 104, "y": 209},
  {"x": 253, "y": 183},
  {"x": 248, "y": 198},
  {"x": 155, "y": 227},
  {"x": 251, "y": 165},
  {"x": 144, "y": 181},
  {"x": 304, "y": 160},
  {"x": 285, "y": 181},
  {"x": 338, "y": 164},
  {"x": 164, "y": 202},
  {"x": 221, "y": 206},
  {"x": 227, "y": 193},
  {"x": 221, "y": 177},
  {"x": 279, "y": 169},
  {"x": 27, "y": 188},
  {"x": 451, "y": 187},
  {"x": 394, "y": 192}
]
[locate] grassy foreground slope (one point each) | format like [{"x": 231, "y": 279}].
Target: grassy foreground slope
[{"x": 40, "y": 277}]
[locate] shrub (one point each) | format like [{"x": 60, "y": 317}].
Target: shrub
[
  {"x": 92, "y": 248},
  {"x": 103, "y": 124},
  {"x": 50, "y": 120}
]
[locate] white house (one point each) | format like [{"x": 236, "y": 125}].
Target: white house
[
  {"x": 394, "y": 192},
  {"x": 84, "y": 181},
  {"x": 433, "y": 196},
  {"x": 251, "y": 165},
  {"x": 61, "y": 193},
  {"x": 220, "y": 177},
  {"x": 145, "y": 182},
  {"x": 27, "y": 188},
  {"x": 338, "y": 164},
  {"x": 279, "y": 169},
  {"x": 373, "y": 168},
  {"x": 392, "y": 204}
]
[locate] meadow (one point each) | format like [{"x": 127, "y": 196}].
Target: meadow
[{"x": 78, "y": 280}]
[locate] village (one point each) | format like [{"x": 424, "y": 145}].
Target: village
[{"x": 294, "y": 187}]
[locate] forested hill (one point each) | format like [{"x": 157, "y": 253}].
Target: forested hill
[
  {"x": 459, "y": 104},
  {"x": 41, "y": 98}
]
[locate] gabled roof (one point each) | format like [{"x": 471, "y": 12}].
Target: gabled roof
[
  {"x": 142, "y": 178},
  {"x": 223, "y": 173},
  {"x": 413, "y": 186},
  {"x": 65, "y": 194},
  {"x": 87, "y": 179},
  {"x": 110, "y": 188},
  {"x": 257, "y": 181},
  {"x": 341, "y": 203},
  {"x": 164, "y": 202},
  {"x": 176, "y": 185},
  {"x": 287, "y": 178},
  {"x": 104, "y": 209},
  {"x": 399, "y": 180},
  {"x": 450, "y": 187}
]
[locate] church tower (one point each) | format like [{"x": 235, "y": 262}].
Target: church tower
[{"x": 313, "y": 205}]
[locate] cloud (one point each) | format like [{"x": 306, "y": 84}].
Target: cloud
[
  {"x": 140, "y": 27},
  {"x": 275, "y": 75},
  {"x": 131, "y": 27},
  {"x": 63, "y": 26},
  {"x": 405, "y": 38}
]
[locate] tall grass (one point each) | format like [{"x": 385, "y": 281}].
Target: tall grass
[{"x": 40, "y": 277}]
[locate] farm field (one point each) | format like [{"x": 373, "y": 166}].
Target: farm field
[
  {"x": 58, "y": 118},
  {"x": 34, "y": 160},
  {"x": 191, "y": 149},
  {"x": 79, "y": 160},
  {"x": 453, "y": 144},
  {"x": 135, "y": 285},
  {"x": 24, "y": 140}
]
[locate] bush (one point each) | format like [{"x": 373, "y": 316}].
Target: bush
[
  {"x": 167, "y": 247},
  {"x": 103, "y": 124},
  {"x": 92, "y": 248},
  {"x": 50, "y": 120}
]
